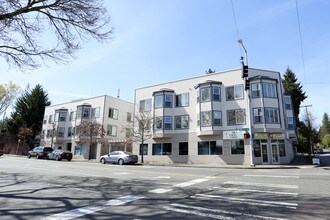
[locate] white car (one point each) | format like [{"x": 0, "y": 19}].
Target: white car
[{"x": 119, "y": 157}]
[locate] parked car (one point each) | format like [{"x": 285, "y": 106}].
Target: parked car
[
  {"x": 60, "y": 154},
  {"x": 318, "y": 150},
  {"x": 119, "y": 157},
  {"x": 39, "y": 152},
  {"x": 1, "y": 152}
]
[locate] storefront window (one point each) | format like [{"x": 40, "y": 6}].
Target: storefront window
[{"x": 237, "y": 147}]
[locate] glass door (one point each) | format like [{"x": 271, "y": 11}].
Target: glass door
[
  {"x": 264, "y": 153},
  {"x": 275, "y": 154}
]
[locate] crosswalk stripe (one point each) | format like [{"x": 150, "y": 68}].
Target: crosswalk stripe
[
  {"x": 254, "y": 190},
  {"x": 191, "y": 210},
  {"x": 271, "y": 176},
  {"x": 249, "y": 201},
  {"x": 192, "y": 182},
  {"x": 262, "y": 184}
]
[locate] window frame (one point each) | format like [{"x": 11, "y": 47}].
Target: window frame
[
  {"x": 272, "y": 113},
  {"x": 182, "y": 121},
  {"x": 269, "y": 90},
  {"x": 238, "y": 143},
  {"x": 209, "y": 147},
  {"x": 258, "y": 116},
  {"x": 111, "y": 130},
  {"x": 113, "y": 113},
  {"x": 236, "y": 117},
  {"x": 180, "y": 101},
  {"x": 236, "y": 89},
  {"x": 166, "y": 123},
  {"x": 162, "y": 148}
]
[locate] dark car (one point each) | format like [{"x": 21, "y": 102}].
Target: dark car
[
  {"x": 119, "y": 157},
  {"x": 60, "y": 154},
  {"x": 1, "y": 152},
  {"x": 39, "y": 152}
]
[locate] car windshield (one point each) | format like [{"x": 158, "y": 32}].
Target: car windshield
[
  {"x": 48, "y": 149},
  {"x": 128, "y": 153}
]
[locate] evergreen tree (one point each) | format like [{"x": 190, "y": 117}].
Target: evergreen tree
[
  {"x": 325, "y": 127},
  {"x": 292, "y": 87},
  {"x": 29, "y": 111}
]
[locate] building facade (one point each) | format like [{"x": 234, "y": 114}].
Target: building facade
[
  {"x": 60, "y": 122},
  {"x": 213, "y": 119}
]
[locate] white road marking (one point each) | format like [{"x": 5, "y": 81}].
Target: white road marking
[
  {"x": 160, "y": 190},
  {"x": 253, "y": 190},
  {"x": 272, "y": 176},
  {"x": 161, "y": 177},
  {"x": 262, "y": 184},
  {"x": 192, "y": 182},
  {"x": 240, "y": 214},
  {"x": 248, "y": 201},
  {"x": 75, "y": 213},
  {"x": 122, "y": 173}
]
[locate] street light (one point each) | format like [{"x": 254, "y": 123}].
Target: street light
[{"x": 245, "y": 75}]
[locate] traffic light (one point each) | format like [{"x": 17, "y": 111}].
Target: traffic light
[
  {"x": 247, "y": 84},
  {"x": 245, "y": 71},
  {"x": 246, "y": 135}
]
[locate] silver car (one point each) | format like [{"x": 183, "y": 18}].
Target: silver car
[{"x": 119, "y": 157}]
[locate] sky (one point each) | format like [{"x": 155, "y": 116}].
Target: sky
[{"x": 159, "y": 41}]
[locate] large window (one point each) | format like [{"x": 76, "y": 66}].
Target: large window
[
  {"x": 288, "y": 103},
  {"x": 158, "y": 125},
  {"x": 158, "y": 101},
  {"x": 168, "y": 101},
  {"x": 206, "y": 119},
  {"x": 162, "y": 149},
  {"x": 69, "y": 131},
  {"x": 182, "y": 122},
  {"x": 60, "y": 132},
  {"x": 209, "y": 148},
  {"x": 72, "y": 116},
  {"x": 113, "y": 113},
  {"x": 96, "y": 112},
  {"x": 290, "y": 123},
  {"x": 86, "y": 113},
  {"x": 234, "y": 92},
  {"x": 183, "y": 148},
  {"x": 167, "y": 123},
  {"x": 216, "y": 93},
  {"x": 272, "y": 116},
  {"x": 145, "y": 149},
  {"x": 236, "y": 117},
  {"x": 269, "y": 90},
  {"x": 257, "y": 115},
  {"x": 145, "y": 105},
  {"x": 50, "y": 119},
  {"x": 217, "y": 118},
  {"x": 112, "y": 130},
  {"x": 206, "y": 94},
  {"x": 182, "y": 100},
  {"x": 237, "y": 147},
  {"x": 163, "y": 100},
  {"x": 256, "y": 90}
]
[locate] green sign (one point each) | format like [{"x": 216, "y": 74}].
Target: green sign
[{"x": 244, "y": 129}]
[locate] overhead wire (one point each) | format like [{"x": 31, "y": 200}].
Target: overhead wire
[{"x": 237, "y": 34}]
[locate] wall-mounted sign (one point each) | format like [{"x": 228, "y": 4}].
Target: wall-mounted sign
[
  {"x": 261, "y": 135},
  {"x": 277, "y": 136},
  {"x": 235, "y": 134}
]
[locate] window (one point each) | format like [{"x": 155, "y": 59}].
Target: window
[
  {"x": 129, "y": 117},
  {"x": 112, "y": 130},
  {"x": 56, "y": 116},
  {"x": 145, "y": 149},
  {"x": 159, "y": 101},
  {"x": 217, "y": 118},
  {"x": 209, "y": 148},
  {"x": 49, "y": 133},
  {"x": 234, "y": 92},
  {"x": 45, "y": 119},
  {"x": 145, "y": 105},
  {"x": 43, "y": 134},
  {"x": 182, "y": 100},
  {"x": 206, "y": 119},
  {"x": 183, "y": 148},
  {"x": 158, "y": 123},
  {"x": 237, "y": 146},
  {"x": 86, "y": 113},
  {"x": 72, "y": 116},
  {"x": 127, "y": 132},
  {"x": 63, "y": 115},
  {"x": 69, "y": 131},
  {"x": 113, "y": 113},
  {"x": 182, "y": 122},
  {"x": 60, "y": 132},
  {"x": 257, "y": 115},
  {"x": 206, "y": 94},
  {"x": 168, "y": 101},
  {"x": 167, "y": 123},
  {"x": 96, "y": 112},
  {"x": 290, "y": 123},
  {"x": 272, "y": 116},
  {"x": 162, "y": 149},
  {"x": 216, "y": 94},
  {"x": 255, "y": 88},
  {"x": 50, "y": 119},
  {"x": 288, "y": 103},
  {"x": 281, "y": 148},
  {"x": 269, "y": 90},
  {"x": 236, "y": 117}
]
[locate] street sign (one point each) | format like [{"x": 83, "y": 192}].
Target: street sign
[{"x": 244, "y": 129}]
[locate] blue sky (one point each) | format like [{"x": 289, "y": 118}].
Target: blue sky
[{"x": 157, "y": 41}]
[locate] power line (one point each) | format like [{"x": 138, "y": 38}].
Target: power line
[{"x": 237, "y": 34}]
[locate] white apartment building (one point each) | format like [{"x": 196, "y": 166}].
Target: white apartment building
[
  {"x": 213, "y": 119},
  {"x": 60, "y": 121}
]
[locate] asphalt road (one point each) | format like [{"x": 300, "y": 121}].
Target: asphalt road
[{"x": 42, "y": 189}]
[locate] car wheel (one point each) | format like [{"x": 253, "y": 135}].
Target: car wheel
[
  {"x": 28, "y": 156},
  {"x": 69, "y": 159},
  {"x": 38, "y": 156},
  {"x": 102, "y": 161},
  {"x": 57, "y": 158},
  {"x": 120, "y": 161}
]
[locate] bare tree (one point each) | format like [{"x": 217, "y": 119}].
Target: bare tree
[
  {"x": 90, "y": 132},
  {"x": 64, "y": 23},
  {"x": 140, "y": 129}
]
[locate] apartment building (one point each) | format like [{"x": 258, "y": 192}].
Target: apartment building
[
  {"x": 60, "y": 122},
  {"x": 213, "y": 119}
]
